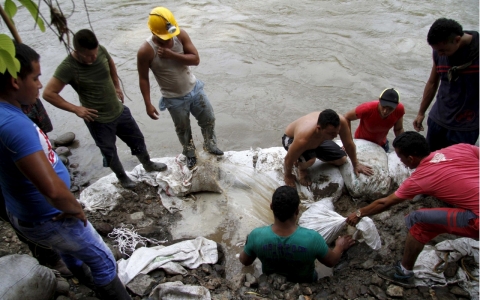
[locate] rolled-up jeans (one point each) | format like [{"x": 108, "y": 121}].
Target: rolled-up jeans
[
  {"x": 75, "y": 243},
  {"x": 197, "y": 103}
]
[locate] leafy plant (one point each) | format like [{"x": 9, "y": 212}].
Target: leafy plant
[
  {"x": 8, "y": 62},
  {"x": 7, "y": 56},
  {"x": 11, "y": 10}
]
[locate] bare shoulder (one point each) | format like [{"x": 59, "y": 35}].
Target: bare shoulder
[{"x": 145, "y": 51}]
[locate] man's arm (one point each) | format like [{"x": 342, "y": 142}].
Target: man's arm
[
  {"x": 145, "y": 56},
  {"x": 398, "y": 127},
  {"x": 294, "y": 151},
  {"x": 245, "y": 259},
  {"x": 40, "y": 172},
  {"x": 190, "y": 55},
  {"x": 351, "y": 116},
  {"x": 351, "y": 149},
  {"x": 374, "y": 208},
  {"x": 51, "y": 93},
  {"x": 428, "y": 95},
  {"x": 114, "y": 75},
  {"x": 333, "y": 255}
]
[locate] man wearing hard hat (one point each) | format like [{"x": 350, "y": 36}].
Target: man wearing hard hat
[{"x": 169, "y": 53}]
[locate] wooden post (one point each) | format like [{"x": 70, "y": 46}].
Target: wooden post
[{"x": 10, "y": 25}]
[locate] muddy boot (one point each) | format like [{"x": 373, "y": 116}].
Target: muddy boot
[
  {"x": 61, "y": 267},
  {"x": 210, "y": 140},
  {"x": 191, "y": 162},
  {"x": 117, "y": 168},
  {"x": 114, "y": 291},
  {"x": 84, "y": 275},
  {"x": 149, "y": 165}
]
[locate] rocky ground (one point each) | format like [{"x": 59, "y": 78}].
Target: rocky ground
[{"x": 352, "y": 277}]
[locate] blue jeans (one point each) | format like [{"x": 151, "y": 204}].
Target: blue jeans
[
  {"x": 75, "y": 243},
  {"x": 197, "y": 103}
]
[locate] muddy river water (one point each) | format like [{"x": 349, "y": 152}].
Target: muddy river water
[{"x": 264, "y": 64}]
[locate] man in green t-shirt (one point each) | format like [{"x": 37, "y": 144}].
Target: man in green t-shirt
[
  {"x": 287, "y": 249},
  {"x": 91, "y": 72}
]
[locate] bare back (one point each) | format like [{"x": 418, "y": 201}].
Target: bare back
[{"x": 306, "y": 131}]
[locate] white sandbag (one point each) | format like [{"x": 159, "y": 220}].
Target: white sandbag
[
  {"x": 190, "y": 254},
  {"x": 367, "y": 187},
  {"x": 369, "y": 233},
  {"x": 327, "y": 181},
  {"x": 178, "y": 291},
  {"x": 323, "y": 220},
  {"x": 104, "y": 194},
  {"x": 397, "y": 171},
  {"x": 23, "y": 278}
]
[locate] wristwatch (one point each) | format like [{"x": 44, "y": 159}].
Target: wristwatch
[{"x": 358, "y": 213}]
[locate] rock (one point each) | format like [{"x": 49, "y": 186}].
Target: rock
[
  {"x": 220, "y": 270},
  {"x": 250, "y": 281},
  {"x": 175, "y": 278},
  {"x": 63, "y": 151},
  {"x": 451, "y": 270},
  {"x": 350, "y": 292},
  {"x": 74, "y": 188},
  {"x": 116, "y": 253},
  {"x": 377, "y": 292},
  {"x": 368, "y": 264},
  {"x": 136, "y": 216},
  {"x": 236, "y": 282},
  {"x": 443, "y": 293},
  {"x": 74, "y": 166},
  {"x": 394, "y": 291},
  {"x": 276, "y": 280},
  {"x": 459, "y": 292},
  {"x": 213, "y": 283},
  {"x": 103, "y": 228},
  {"x": 307, "y": 291},
  {"x": 264, "y": 288},
  {"x": 141, "y": 285},
  {"x": 157, "y": 274},
  {"x": 62, "y": 298},
  {"x": 65, "y": 139},
  {"x": 63, "y": 287},
  {"x": 63, "y": 159},
  {"x": 301, "y": 297},
  {"x": 206, "y": 268},
  {"x": 376, "y": 280}
]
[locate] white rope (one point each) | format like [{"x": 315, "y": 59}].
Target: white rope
[{"x": 128, "y": 239}]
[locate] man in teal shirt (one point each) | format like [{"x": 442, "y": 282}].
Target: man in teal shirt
[{"x": 287, "y": 249}]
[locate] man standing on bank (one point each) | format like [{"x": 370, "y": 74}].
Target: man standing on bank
[
  {"x": 91, "y": 72},
  {"x": 310, "y": 137},
  {"x": 378, "y": 117},
  {"x": 169, "y": 53},
  {"x": 453, "y": 118}
]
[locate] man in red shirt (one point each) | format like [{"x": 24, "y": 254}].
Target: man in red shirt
[
  {"x": 450, "y": 175},
  {"x": 377, "y": 117}
]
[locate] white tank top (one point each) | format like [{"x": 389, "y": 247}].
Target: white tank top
[{"x": 175, "y": 79}]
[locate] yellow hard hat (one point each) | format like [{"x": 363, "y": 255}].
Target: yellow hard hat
[{"x": 162, "y": 23}]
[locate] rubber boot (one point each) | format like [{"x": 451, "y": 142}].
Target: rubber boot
[
  {"x": 113, "y": 291},
  {"x": 210, "y": 140},
  {"x": 84, "y": 275},
  {"x": 149, "y": 165},
  {"x": 117, "y": 168}
]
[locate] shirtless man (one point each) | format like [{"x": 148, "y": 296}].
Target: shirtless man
[{"x": 310, "y": 137}]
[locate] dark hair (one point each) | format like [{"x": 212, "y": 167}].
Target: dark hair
[
  {"x": 25, "y": 56},
  {"x": 444, "y": 30},
  {"x": 411, "y": 143},
  {"x": 328, "y": 117},
  {"x": 285, "y": 201},
  {"x": 85, "y": 39}
]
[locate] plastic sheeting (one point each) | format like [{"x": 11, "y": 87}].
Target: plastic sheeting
[
  {"x": 172, "y": 259},
  {"x": 434, "y": 255}
]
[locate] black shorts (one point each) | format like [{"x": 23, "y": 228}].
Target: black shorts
[{"x": 327, "y": 151}]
